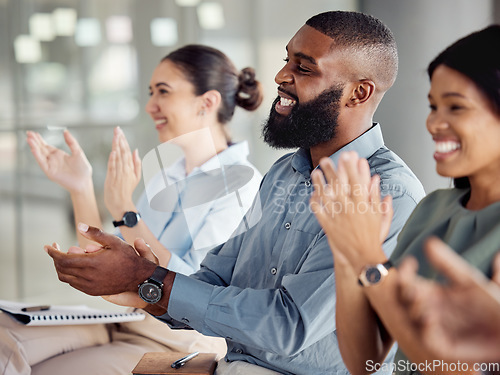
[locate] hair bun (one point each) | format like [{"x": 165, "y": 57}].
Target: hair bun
[
  {"x": 247, "y": 77},
  {"x": 249, "y": 94}
]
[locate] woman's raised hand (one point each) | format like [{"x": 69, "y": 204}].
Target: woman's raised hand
[
  {"x": 456, "y": 320},
  {"x": 348, "y": 206},
  {"x": 124, "y": 173},
  {"x": 72, "y": 171}
]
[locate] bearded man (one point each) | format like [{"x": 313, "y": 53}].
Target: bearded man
[{"x": 270, "y": 291}]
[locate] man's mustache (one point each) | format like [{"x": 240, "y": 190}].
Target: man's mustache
[{"x": 293, "y": 96}]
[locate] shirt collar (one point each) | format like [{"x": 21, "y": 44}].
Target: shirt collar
[
  {"x": 234, "y": 154},
  {"x": 365, "y": 145}
]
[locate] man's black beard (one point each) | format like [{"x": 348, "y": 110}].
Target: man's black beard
[{"x": 308, "y": 124}]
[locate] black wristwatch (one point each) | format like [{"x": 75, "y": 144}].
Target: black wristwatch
[
  {"x": 129, "y": 219},
  {"x": 151, "y": 290},
  {"x": 374, "y": 274}
]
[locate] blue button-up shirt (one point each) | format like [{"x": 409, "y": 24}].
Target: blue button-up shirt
[
  {"x": 190, "y": 232},
  {"x": 270, "y": 291}
]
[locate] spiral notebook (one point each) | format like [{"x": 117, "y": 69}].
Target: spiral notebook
[{"x": 64, "y": 315}]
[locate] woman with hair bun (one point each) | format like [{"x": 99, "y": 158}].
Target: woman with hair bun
[{"x": 187, "y": 208}]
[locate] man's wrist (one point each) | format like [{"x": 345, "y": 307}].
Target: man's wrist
[{"x": 161, "y": 307}]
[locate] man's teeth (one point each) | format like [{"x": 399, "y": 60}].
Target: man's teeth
[
  {"x": 287, "y": 102},
  {"x": 447, "y": 146},
  {"x": 159, "y": 122}
]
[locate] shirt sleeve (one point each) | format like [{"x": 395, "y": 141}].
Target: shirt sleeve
[{"x": 283, "y": 320}]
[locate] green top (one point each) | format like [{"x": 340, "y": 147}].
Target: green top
[{"x": 475, "y": 235}]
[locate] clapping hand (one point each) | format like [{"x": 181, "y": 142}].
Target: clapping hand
[
  {"x": 113, "y": 268},
  {"x": 72, "y": 171},
  {"x": 124, "y": 173},
  {"x": 347, "y": 204},
  {"x": 459, "y": 320}
]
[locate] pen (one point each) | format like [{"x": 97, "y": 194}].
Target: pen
[
  {"x": 181, "y": 362},
  {"x": 35, "y": 308}
]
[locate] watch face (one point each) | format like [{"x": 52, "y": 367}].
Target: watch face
[
  {"x": 130, "y": 219},
  {"x": 373, "y": 275},
  {"x": 150, "y": 292}
]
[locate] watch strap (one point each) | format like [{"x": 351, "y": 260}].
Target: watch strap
[
  {"x": 123, "y": 221},
  {"x": 387, "y": 265},
  {"x": 118, "y": 223},
  {"x": 158, "y": 275}
]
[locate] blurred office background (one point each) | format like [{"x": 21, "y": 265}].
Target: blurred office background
[{"x": 86, "y": 64}]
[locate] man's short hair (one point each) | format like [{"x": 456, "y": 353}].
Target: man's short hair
[{"x": 365, "y": 35}]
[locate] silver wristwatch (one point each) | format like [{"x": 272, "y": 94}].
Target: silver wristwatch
[{"x": 374, "y": 273}]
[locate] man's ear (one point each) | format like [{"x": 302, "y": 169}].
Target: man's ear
[
  {"x": 211, "y": 101},
  {"x": 361, "y": 93}
]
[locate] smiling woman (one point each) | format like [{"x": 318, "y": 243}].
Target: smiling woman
[
  {"x": 193, "y": 94},
  {"x": 465, "y": 128},
  {"x": 479, "y": 79},
  {"x": 464, "y": 122}
]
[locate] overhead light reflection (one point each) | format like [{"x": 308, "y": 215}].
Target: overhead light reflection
[
  {"x": 42, "y": 27},
  {"x": 64, "y": 20},
  {"x": 187, "y": 3},
  {"x": 211, "y": 16},
  {"x": 88, "y": 32},
  {"x": 27, "y": 49},
  {"x": 119, "y": 29},
  {"x": 164, "y": 32}
]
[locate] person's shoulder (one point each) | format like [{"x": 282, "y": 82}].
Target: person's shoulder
[
  {"x": 437, "y": 205},
  {"x": 386, "y": 162},
  {"x": 444, "y": 197},
  {"x": 395, "y": 175},
  {"x": 285, "y": 158}
]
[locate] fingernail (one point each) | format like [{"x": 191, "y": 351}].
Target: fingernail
[
  {"x": 56, "y": 245},
  {"x": 83, "y": 227}
]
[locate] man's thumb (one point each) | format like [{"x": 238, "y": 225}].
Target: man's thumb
[{"x": 97, "y": 235}]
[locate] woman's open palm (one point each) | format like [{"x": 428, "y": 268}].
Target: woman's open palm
[{"x": 72, "y": 171}]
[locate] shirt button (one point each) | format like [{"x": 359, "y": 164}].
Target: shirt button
[
  {"x": 274, "y": 271},
  {"x": 239, "y": 351},
  {"x": 307, "y": 183},
  {"x": 287, "y": 225},
  {"x": 185, "y": 320}
]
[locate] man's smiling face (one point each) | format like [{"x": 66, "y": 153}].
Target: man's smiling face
[{"x": 310, "y": 89}]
